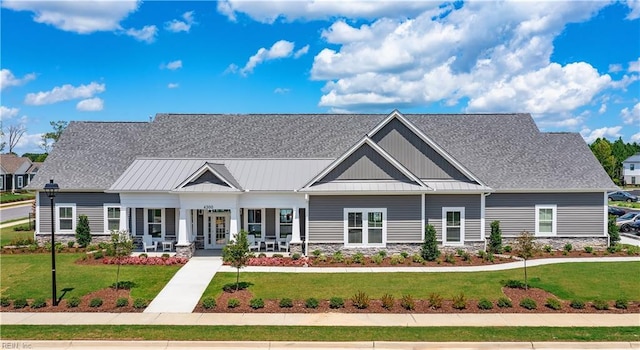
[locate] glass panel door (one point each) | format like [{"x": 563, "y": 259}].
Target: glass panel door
[{"x": 221, "y": 230}]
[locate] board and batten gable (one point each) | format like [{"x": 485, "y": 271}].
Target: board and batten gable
[
  {"x": 578, "y": 214},
  {"x": 90, "y": 204},
  {"x": 415, "y": 154},
  {"x": 471, "y": 204},
  {"x": 326, "y": 216}
]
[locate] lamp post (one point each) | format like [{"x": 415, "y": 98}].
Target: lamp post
[{"x": 50, "y": 189}]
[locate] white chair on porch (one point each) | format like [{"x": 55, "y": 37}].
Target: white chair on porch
[
  {"x": 284, "y": 244},
  {"x": 150, "y": 246},
  {"x": 253, "y": 245}
]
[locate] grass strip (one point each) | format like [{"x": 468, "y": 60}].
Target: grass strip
[{"x": 308, "y": 333}]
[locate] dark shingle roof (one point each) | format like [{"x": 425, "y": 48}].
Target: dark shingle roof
[
  {"x": 12, "y": 163},
  {"x": 505, "y": 151}
]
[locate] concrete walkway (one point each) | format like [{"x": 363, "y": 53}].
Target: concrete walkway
[
  {"x": 324, "y": 319},
  {"x": 496, "y": 267},
  {"x": 184, "y": 290}
]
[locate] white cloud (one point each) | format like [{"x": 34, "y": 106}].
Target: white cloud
[
  {"x": 90, "y": 105},
  {"x": 634, "y": 66},
  {"x": 146, "y": 34},
  {"x": 635, "y": 137},
  {"x": 634, "y": 5},
  {"x": 631, "y": 116},
  {"x": 615, "y": 68},
  {"x": 233, "y": 69},
  {"x": 64, "y": 93},
  {"x": 280, "y": 49},
  {"x": 172, "y": 65},
  {"x": 180, "y": 26},
  {"x": 173, "y": 85},
  {"x": 6, "y": 112},
  {"x": 8, "y": 79},
  {"x": 603, "y": 108},
  {"x": 77, "y": 16},
  {"x": 609, "y": 132},
  {"x": 301, "y": 52},
  {"x": 281, "y": 91}
]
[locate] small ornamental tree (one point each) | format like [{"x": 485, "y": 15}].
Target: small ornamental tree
[
  {"x": 614, "y": 234},
  {"x": 526, "y": 248},
  {"x": 430, "y": 250},
  {"x": 122, "y": 246},
  {"x": 237, "y": 253},
  {"x": 495, "y": 240},
  {"x": 83, "y": 231}
]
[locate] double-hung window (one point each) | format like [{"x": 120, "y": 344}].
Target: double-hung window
[
  {"x": 111, "y": 217},
  {"x": 254, "y": 222},
  {"x": 66, "y": 220},
  {"x": 365, "y": 227},
  {"x": 546, "y": 219},
  {"x": 286, "y": 222},
  {"x": 154, "y": 222},
  {"x": 453, "y": 225}
]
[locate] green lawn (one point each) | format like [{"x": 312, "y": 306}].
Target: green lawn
[
  {"x": 572, "y": 280},
  {"x": 304, "y": 333},
  {"x": 633, "y": 205},
  {"x": 29, "y": 276},
  {"x": 7, "y": 235},
  {"x": 7, "y": 197}
]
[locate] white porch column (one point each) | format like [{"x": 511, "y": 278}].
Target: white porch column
[
  {"x": 123, "y": 219},
  {"x": 295, "y": 232},
  {"x": 233, "y": 224},
  {"x": 182, "y": 228}
]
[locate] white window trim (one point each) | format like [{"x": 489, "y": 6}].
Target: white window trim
[
  {"x": 444, "y": 225},
  {"x": 106, "y": 207},
  {"x": 19, "y": 181},
  {"x": 2, "y": 182},
  {"x": 162, "y": 223},
  {"x": 262, "y": 222},
  {"x": 365, "y": 227},
  {"x": 277, "y": 221},
  {"x": 554, "y": 224},
  {"x": 74, "y": 220}
]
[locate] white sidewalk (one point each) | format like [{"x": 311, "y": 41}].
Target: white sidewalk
[{"x": 185, "y": 289}]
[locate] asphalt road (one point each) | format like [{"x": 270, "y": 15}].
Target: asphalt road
[{"x": 15, "y": 212}]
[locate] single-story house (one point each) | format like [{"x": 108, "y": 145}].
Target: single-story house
[
  {"x": 349, "y": 182},
  {"x": 631, "y": 170},
  {"x": 15, "y": 172}
]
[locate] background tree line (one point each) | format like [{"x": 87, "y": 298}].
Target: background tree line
[
  {"x": 611, "y": 155},
  {"x": 15, "y": 132}
]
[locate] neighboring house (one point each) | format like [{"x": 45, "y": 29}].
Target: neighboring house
[
  {"x": 631, "y": 170},
  {"x": 14, "y": 172},
  {"x": 333, "y": 182}
]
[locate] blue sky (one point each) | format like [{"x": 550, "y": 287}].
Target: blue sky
[{"x": 575, "y": 66}]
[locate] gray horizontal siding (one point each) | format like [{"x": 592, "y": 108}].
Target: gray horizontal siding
[
  {"x": 579, "y": 214},
  {"x": 471, "y": 204},
  {"x": 365, "y": 164},
  {"x": 326, "y": 216},
  {"x": 90, "y": 204}
]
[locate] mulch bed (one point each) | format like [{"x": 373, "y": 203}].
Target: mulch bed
[
  {"x": 421, "y": 306},
  {"x": 108, "y": 296}
]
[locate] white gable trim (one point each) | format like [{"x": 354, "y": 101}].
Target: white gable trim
[
  {"x": 396, "y": 114},
  {"x": 206, "y": 167},
  {"x": 366, "y": 140}
]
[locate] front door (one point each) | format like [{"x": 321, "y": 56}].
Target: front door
[{"x": 216, "y": 230}]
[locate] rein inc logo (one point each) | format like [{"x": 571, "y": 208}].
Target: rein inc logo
[{"x": 16, "y": 345}]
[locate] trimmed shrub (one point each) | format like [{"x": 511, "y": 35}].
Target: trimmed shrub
[
  {"x": 73, "y": 302},
  {"x": 286, "y": 303},
  {"x": 123, "y": 285},
  {"x": 397, "y": 259},
  {"x": 231, "y": 287},
  {"x": 38, "y": 303},
  {"x": 70, "y": 244},
  {"x": 256, "y": 303},
  {"x": 528, "y": 304},
  {"x": 621, "y": 304},
  {"x": 316, "y": 253},
  {"x": 262, "y": 255},
  {"x": 233, "y": 303},
  {"x": 435, "y": 301},
  {"x": 360, "y": 300},
  {"x": 450, "y": 258},
  {"x": 417, "y": 258},
  {"x": 577, "y": 304},
  {"x": 143, "y": 255},
  {"x": 504, "y": 302},
  {"x": 95, "y": 302},
  {"x": 4, "y": 301},
  {"x": 139, "y": 303},
  {"x": 165, "y": 256},
  {"x": 83, "y": 231},
  {"x": 20, "y": 303},
  {"x": 485, "y": 304},
  {"x": 122, "y": 302},
  {"x": 460, "y": 302},
  {"x": 377, "y": 259},
  {"x": 98, "y": 255},
  {"x": 507, "y": 249},
  {"x": 568, "y": 247},
  {"x": 429, "y": 249},
  {"x": 311, "y": 303},
  {"x": 407, "y": 302},
  {"x": 295, "y": 256},
  {"x": 338, "y": 257},
  {"x": 516, "y": 284},
  {"x": 404, "y": 254},
  {"x": 358, "y": 258},
  {"x": 208, "y": 303},
  {"x": 382, "y": 254},
  {"x": 278, "y": 255},
  {"x": 547, "y": 248},
  {"x": 387, "y": 301},
  {"x": 495, "y": 239},
  {"x": 588, "y": 250},
  {"x": 600, "y": 304},
  {"x": 613, "y": 230},
  {"x": 466, "y": 256},
  {"x": 553, "y": 303},
  {"x": 336, "y": 303}
]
